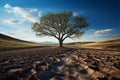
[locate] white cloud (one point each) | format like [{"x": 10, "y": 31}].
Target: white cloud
[
  {"x": 12, "y": 21},
  {"x": 103, "y": 32},
  {"x": 75, "y": 14},
  {"x": 23, "y": 13},
  {"x": 39, "y": 13},
  {"x": 78, "y": 13},
  {"x": 27, "y": 34},
  {"x": 33, "y": 10},
  {"x": 7, "y": 6}
]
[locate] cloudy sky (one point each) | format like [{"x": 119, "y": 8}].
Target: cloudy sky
[{"x": 17, "y": 16}]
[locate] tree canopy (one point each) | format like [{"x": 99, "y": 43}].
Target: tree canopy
[{"x": 61, "y": 26}]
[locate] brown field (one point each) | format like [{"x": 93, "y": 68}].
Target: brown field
[
  {"x": 21, "y": 60},
  {"x": 10, "y": 43},
  {"x": 53, "y": 63},
  {"x": 113, "y": 44}
]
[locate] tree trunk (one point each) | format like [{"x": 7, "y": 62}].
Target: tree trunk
[{"x": 60, "y": 43}]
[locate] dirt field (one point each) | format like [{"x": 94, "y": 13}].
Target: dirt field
[{"x": 50, "y": 63}]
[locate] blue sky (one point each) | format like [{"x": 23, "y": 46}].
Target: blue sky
[{"x": 17, "y": 16}]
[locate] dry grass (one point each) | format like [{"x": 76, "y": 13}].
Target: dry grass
[
  {"x": 114, "y": 43},
  {"x": 12, "y": 44},
  {"x": 7, "y": 42}
]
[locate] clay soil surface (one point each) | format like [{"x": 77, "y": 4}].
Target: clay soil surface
[{"x": 52, "y": 63}]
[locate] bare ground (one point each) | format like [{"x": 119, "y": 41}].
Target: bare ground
[{"x": 51, "y": 63}]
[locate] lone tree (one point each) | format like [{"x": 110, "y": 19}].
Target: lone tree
[{"x": 61, "y": 26}]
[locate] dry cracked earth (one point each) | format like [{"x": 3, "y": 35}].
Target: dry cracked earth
[{"x": 59, "y": 64}]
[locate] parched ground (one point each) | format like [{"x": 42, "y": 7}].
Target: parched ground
[{"x": 50, "y": 63}]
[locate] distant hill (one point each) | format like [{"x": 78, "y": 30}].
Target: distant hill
[
  {"x": 47, "y": 42},
  {"x": 110, "y": 41},
  {"x": 73, "y": 43},
  {"x": 5, "y": 37},
  {"x": 7, "y": 42},
  {"x": 113, "y": 43}
]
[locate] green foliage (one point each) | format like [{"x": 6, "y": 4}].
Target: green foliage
[{"x": 60, "y": 25}]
